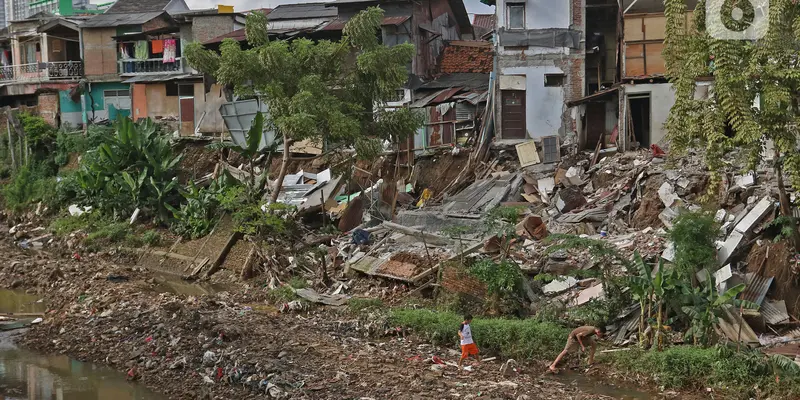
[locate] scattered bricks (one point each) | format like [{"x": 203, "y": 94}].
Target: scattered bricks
[
  {"x": 48, "y": 107},
  {"x": 458, "y": 280},
  {"x": 532, "y": 226}
]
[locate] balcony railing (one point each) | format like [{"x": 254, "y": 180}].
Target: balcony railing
[
  {"x": 149, "y": 66},
  {"x": 60, "y": 70}
]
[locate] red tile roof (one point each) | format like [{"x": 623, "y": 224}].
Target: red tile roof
[
  {"x": 237, "y": 35},
  {"x": 465, "y": 56},
  {"x": 484, "y": 21}
]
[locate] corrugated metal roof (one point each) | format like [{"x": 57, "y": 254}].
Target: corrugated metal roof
[
  {"x": 237, "y": 35},
  {"x": 137, "y": 6},
  {"x": 159, "y": 78},
  {"x": 650, "y": 6},
  {"x": 472, "y": 81},
  {"x": 757, "y": 287},
  {"x": 485, "y": 21},
  {"x": 774, "y": 312},
  {"x": 112, "y": 20},
  {"x": 302, "y": 11},
  {"x": 339, "y": 23}
]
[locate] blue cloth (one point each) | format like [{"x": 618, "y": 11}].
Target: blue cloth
[{"x": 360, "y": 236}]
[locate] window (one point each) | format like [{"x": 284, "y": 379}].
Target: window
[
  {"x": 553, "y": 80},
  {"x": 516, "y": 16}
]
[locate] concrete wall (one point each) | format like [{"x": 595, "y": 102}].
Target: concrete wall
[
  {"x": 205, "y": 28},
  {"x": 539, "y": 14},
  {"x": 543, "y": 105},
  {"x": 546, "y": 113},
  {"x": 662, "y": 97},
  {"x": 48, "y": 107},
  {"x": 71, "y": 111},
  {"x": 158, "y": 103}
]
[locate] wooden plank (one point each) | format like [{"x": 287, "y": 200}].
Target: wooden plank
[
  {"x": 634, "y": 67},
  {"x": 655, "y": 61},
  {"x": 430, "y": 238},
  {"x": 634, "y": 28},
  {"x": 655, "y": 27}
]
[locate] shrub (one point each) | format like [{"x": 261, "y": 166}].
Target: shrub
[
  {"x": 151, "y": 238},
  {"x": 275, "y": 222},
  {"x": 28, "y": 186},
  {"x": 515, "y": 338},
  {"x": 88, "y": 222},
  {"x": 109, "y": 233}
]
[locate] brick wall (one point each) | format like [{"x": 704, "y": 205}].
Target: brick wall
[
  {"x": 475, "y": 57},
  {"x": 208, "y": 27},
  {"x": 457, "y": 280},
  {"x": 48, "y": 107}
]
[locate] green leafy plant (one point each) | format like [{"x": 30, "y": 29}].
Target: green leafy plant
[
  {"x": 323, "y": 91},
  {"x": 135, "y": 168},
  {"x": 274, "y": 222},
  {"x": 151, "y": 238},
  {"x": 693, "y": 234}
]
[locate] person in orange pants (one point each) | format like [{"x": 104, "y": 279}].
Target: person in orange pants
[{"x": 468, "y": 347}]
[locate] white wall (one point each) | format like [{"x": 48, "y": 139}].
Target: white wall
[
  {"x": 539, "y": 14},
  {"x": 662, "y": 97},
  {"x": 543, "y": 105}
]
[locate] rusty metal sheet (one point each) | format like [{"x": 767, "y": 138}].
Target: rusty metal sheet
[
  {"x": 757, "y": 287},
  {"x": 774, "y": 312}
]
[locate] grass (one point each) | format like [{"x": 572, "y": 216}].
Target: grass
[
  {"x": 151, "y": 238},
  {"x": 357, "y": 304},
  {"x": 514, "y": 338},
  {"x": 689, "y": 367}
]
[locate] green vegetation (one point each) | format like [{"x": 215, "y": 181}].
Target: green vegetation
[
  {"x": 200, "y": 213},
  {"x": 686, "y": 367},
  {"x": 357, "y": 304},
  {"x": 28, "y": 186},
  {"x": 514, "y": 338},
  {"x": 151, "y": 238},
  {"x": 313, "y": 89}
]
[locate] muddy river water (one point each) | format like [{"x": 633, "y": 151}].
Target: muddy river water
[{"x": 27, "y": 375}]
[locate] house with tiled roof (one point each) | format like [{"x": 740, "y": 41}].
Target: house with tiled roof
[{"x": 454, "y": 101}]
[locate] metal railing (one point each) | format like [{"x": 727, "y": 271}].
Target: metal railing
[
  {"x": 65, "y": 70},
  {"x": 61, "y": 70},
  {"x": 149, "y": 66}
]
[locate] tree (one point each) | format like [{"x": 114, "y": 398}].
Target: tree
[
  {"x": 755, "y": 87},
  {"x": 324, "y": 91}
]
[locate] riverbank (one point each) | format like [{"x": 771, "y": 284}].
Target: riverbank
[{"x": 232, "y": 345}]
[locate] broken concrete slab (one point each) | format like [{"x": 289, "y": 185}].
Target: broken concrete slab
[
  {"x": 546, "y": 186},
  {"x": 758, "y": 212},
  {"x": 667, "y": 216},
  {"x": 724, "y": 253},
  {"x": 669, "y": 252},
  {"x": 745, "y": 181},
  {"x": 559, "y": 285},
  {"x": 586, "y": 295},
  {"x": 573, "y": 176},
  {"x": 667, "y": 195}
]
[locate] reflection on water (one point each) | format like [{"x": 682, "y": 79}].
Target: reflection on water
[
  {"x": 593, "y": 385},
  {"x": 31, "y": 376},
  {"x": 169, "y": 283},
  {"x": 28, "y": 375},
  {"x": 14, "y": 301}
]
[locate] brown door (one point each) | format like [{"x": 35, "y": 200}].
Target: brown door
[
  {"x": 187, "y": 116},
  {"x": 595, "y": 123},
  {"x": 513, "y": 114}
]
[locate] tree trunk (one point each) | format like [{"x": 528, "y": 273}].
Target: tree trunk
[
  {"x": 658, "y": 328},
  {"x": 786, "y": 207},
  {"x": 287, "y": 143},
  {"x": 641, "y": 323}
]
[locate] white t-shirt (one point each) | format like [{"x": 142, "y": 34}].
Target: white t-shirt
[{"x": 466, "y": 334}]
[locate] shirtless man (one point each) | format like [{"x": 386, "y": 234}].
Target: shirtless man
[{"x": 580, "y": 336}]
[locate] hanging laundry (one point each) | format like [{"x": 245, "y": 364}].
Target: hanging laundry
[
  {"x": 158, "y": 46},
  {"x": 140, "y": 50},
  {"x": 123, "y": 52},
  {"x": 5, "y": 57},
  {"x": 169, "y": 51}
]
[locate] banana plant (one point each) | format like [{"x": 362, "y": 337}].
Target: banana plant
[
  {"x": 250, "y": 150},
  {"x": 707, "y": 307},
  {"x": 641, "y": 289},
  {"x": 135, "y": 185},
  {"x": 163, "y": 191}
]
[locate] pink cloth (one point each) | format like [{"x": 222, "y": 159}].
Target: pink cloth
[{"x": 169, "y": 51}]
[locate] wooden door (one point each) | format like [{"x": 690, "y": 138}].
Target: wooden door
[
  {"x": 139, "y": 101},
  {"x": 595, "y": 123},
  {"x": 187, "y": 116},
  {"x": 513, "y": 114}
]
